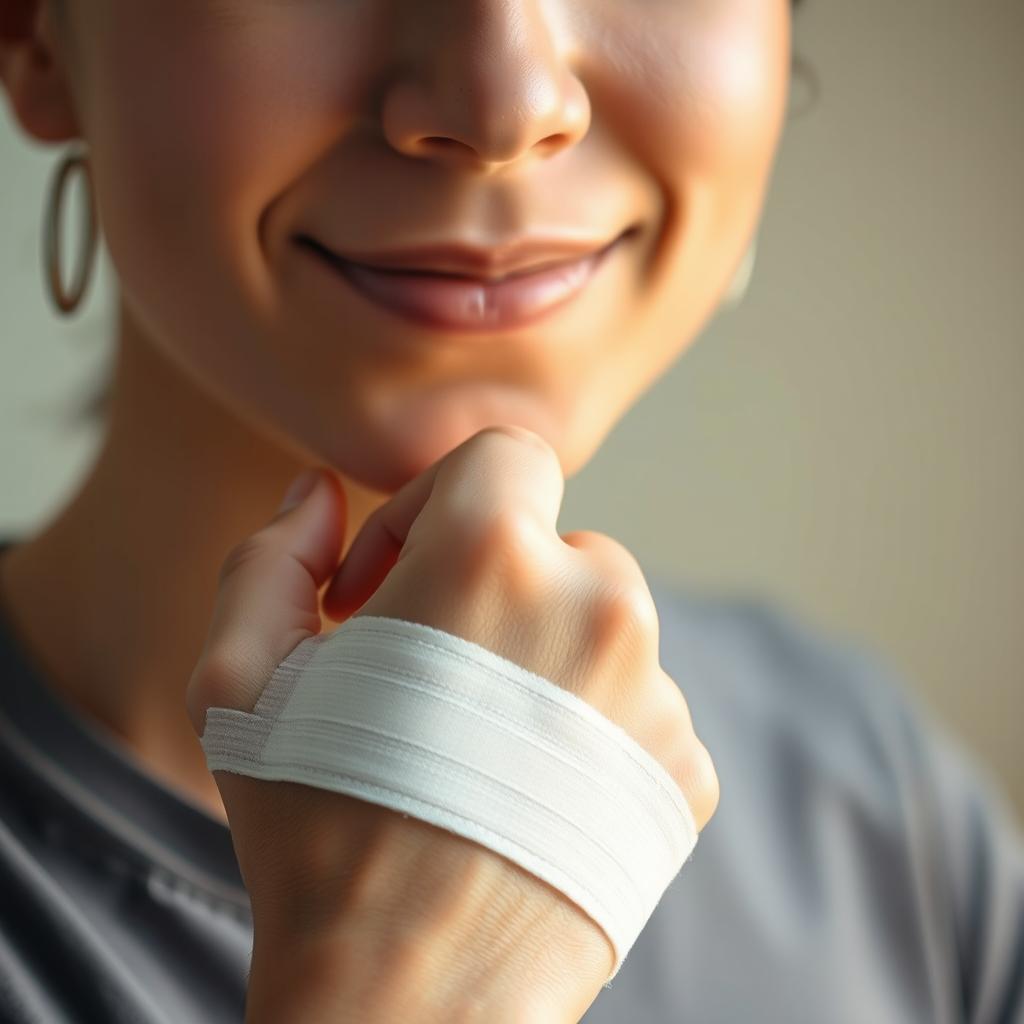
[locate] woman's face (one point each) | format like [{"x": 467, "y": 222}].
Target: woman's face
[{"x": 220, "y": 130}]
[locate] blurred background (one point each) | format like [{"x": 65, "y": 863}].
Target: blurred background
[{"x": 848, "y": 442}]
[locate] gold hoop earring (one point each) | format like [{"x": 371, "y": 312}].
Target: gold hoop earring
[{"x": 67, "y": 302}]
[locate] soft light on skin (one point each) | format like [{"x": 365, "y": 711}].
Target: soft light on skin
[{"x": 219, "y": 129}]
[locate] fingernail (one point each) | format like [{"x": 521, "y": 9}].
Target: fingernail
[{"x": 301, "y": 487}]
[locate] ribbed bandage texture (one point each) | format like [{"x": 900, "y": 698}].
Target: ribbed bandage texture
[{"x": 432, "y": 725}]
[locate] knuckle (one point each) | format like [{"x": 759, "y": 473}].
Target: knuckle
[
  {"x": 510, "y": 529},
  {"x": 497, "y": 555},
  {"x": 526, "y": 439},
  {"x": 624, "y": 613},
  {"x": 516, "y": 433},
  {"x": 241, "y": 554},
  {"x": 617, "y": 550},
  {"x": 215, "y": 680},
  {"x": 507, "y": 537},
  {"x": 694, "y": 772}
]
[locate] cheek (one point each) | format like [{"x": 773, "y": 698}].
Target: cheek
[
  {"x": 695, "y": 86},
  {"x": 198, "y": 121},
  {"x": 205, "y": 112},
  {"x": 697, "y": 91}
]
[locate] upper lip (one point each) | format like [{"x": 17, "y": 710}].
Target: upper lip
[{"x": 515, "y": 257}]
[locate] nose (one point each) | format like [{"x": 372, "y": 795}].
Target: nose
[{"x": 486, "y": 86}]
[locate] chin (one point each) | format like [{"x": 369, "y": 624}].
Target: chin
[{"x": 391, "y": 453}]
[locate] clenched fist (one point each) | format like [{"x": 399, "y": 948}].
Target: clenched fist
[{"x": 360, "y": 912}]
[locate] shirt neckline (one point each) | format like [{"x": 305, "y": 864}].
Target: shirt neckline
[{"x": 90, "y": 767}]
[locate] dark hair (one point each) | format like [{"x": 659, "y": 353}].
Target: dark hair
[{"x": 96, "y": 404}]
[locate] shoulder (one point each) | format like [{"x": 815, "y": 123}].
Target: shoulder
[
  {"x": 856, "y": 847},
  {"x": 846, "y": 791}
]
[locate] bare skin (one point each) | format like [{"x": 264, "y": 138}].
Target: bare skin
[
  {"x": 177, "y": 482},
  {"x": 216, "y": 132}
]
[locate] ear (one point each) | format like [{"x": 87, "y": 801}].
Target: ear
[{"x": 33, "y": 71}]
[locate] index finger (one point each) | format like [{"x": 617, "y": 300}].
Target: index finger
[{"x": 379, "y": 543}]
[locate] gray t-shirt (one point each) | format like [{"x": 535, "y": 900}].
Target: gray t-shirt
[{"x": 859, "y": 869}]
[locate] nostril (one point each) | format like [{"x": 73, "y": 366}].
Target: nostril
[
  {"x": 429, "y": 142},
  {"x": 555, "y": 142}
]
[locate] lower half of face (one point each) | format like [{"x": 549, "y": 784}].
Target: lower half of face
[{"x": 239, "y": 150}]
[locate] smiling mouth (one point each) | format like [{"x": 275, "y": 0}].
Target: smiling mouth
[
  {"x": 465, "y": 262},
  {"x": 460, "y": 302}
]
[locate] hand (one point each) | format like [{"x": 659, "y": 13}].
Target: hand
[{"x": 385, "y": 916}]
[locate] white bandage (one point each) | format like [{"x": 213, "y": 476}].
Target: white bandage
[{"x": 432, "y": 725}]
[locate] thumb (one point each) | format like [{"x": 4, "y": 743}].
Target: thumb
[{"x": 268, "y": 599}]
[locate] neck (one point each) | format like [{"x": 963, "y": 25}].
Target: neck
[{"x": 114, "y": 596}]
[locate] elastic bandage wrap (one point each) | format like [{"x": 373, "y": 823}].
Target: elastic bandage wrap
[{"x": 432, "y": 725}]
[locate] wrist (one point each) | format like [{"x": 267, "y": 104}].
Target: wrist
[
  {"x": 310, "y": 982},
  {"x": 406, "y": 934},
  {"x": 353, "y": 975}
]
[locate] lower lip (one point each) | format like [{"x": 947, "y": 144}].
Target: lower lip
[{"x": 462, "y": 304}]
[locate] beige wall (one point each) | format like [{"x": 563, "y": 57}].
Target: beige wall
[{"x": 849, "y": 442}]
